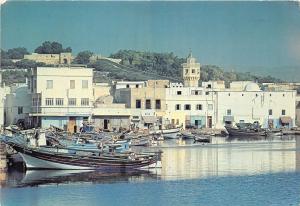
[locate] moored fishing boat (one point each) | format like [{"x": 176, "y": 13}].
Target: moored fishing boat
[
  {"x": 203, "y": 139},
  {"x": 245, "y": 131},
  {"x": 167, "y": 133},
  {"x": 187, "y": 135},
  {"x": 60, "y": 158}
]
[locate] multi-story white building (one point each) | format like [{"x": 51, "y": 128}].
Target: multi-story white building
[
  {"x": 61, "y": 96},
  {"x": 190, "y": 106},
  {"x": 271, "y": 109}
]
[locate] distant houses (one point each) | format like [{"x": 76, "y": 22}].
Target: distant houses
[{"x": 66, "y": 96}]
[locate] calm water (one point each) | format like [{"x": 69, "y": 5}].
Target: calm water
[{"x": 226, "y": 172}]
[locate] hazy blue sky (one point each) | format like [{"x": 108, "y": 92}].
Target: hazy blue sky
[{"x": 262, "y": 37}]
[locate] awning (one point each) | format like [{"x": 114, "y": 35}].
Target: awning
[
  {"x": 228, "y": 119},
  {"x": 149, "y": 119},
  {"x": 286, "y": 120}
]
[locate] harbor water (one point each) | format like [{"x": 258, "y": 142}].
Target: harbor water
[{"x": 240, "y": 171}]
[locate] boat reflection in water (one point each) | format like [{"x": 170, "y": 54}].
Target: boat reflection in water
[
  {"x": 231, "y": 157},
  {"x": 29, "y": 178},
  {"x": 187, "y": 160}
]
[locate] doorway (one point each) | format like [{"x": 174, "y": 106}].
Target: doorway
[
  {"x": 209, "y": 121},
  {"x": 106, "y": 121},
  {"x": 71, "y": 124}
]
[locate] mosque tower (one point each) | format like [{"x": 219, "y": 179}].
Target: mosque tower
[{"x": 191, "y": 72}]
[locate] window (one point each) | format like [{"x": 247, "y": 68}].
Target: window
[
  {"x": 84, "y": 101},
  {"x": 187, "y": 107},
  {"x": 193, "y": 71},
  {"x": 256, "y": 95},
  {"x": 49, "y": 101},
  {"x": 283, "y": 95},
  {"x": 136, "y": 86},
  {"x": 199, "y": 107},
  {"x": 177, "y": 121},
  {"x": 148, "y": 104},
  {"x": 196, "y": 92},
  {"x": 210, "y": 107},
  {"x": 228, "y": 94},
  {"x": 72, "y": 84},
  {"x": 229, "y": 112},
  {"x": 138, "y": 104},
  {"x": 72, "y": 102},
  {"x": 178, "y": 92},
  {"x": 186, "y": 71},
  {"x": 85, "y": 84},
  {"x": 127, "y": 85},
  {"x": 157, "y": 104},
  {"x": 283, "y": 112},
  {"x": 206, "y": 93},
  {"x": 209, "y": 86},
  {"x": 270, "y": 112},
  {"x": 59, "y": 101},
  {"x": 20, "y": 110},
  {"x": 270, "y": 95},
  {"x": 242, "y": 95},
  {"x": 177, "y": 107},
  {"x": 49, "y": 84}
]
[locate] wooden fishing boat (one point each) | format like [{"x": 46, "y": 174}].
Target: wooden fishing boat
[
  {"x": 167, "y": 133},
  {"x": 60, "y": 158},
  {"x": 245, "y": 132},
  {"x": 187, "y": 135},
  {"x": 203, "y": 139}
]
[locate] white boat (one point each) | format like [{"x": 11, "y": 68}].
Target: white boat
[{"x": 167, "y": 133}]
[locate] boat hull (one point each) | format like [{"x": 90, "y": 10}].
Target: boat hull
[
  {"x": 37, "y": 159},
  {"x": 168, "y": 133},
  {"x": 239, "y": 133},
  {"x": 35, "y": 163}
]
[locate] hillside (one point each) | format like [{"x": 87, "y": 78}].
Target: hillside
[{"x": 137, "y": 65}]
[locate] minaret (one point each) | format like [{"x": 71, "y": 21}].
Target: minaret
[{"x": 191, "y": 72}]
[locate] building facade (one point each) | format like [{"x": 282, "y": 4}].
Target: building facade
[
  {"x": 271, "y": 109},
  {"x": 61, "y": 96},
  {"x": 190, "y": 106},
  {"x": 53, "y": 59},
  {"x": 18, "y": 105}
]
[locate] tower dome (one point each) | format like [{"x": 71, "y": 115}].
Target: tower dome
[{"x": 191, "y": 72}]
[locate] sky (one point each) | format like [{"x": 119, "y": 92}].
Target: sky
[{"x": 258, "y": 37}]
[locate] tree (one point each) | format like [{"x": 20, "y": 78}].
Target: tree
[
  {"x": 4, "y": 55},
  {"x": 83, "y": 57},
  {"x": 27, "y": 64},
  {"x": 17, "y": 53},
  {"x": 6, "y": 62},
  {"x": 51, "y": 48}
]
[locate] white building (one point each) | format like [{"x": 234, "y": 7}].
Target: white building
[
  {"x": 61, "y": 96},
  {"x": 128, "y": 84},
  {"x": 18, "y": 105},
  {"x": 2, "y": 100},
  {"x": 190, "y": 106},
  {"x": 271, "y": 109}
]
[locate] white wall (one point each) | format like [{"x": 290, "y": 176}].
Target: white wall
[
  {"x": 188, "y": 96},
  {"x": 19, "y": 97},
  {"x": 253, "y": 106},
  {"x": 61, "y": 77}
]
